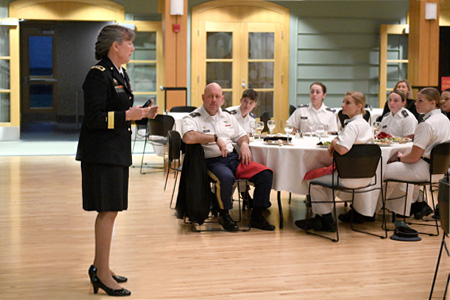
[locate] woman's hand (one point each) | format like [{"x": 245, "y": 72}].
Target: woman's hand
[
  {"x": 153, "y": 112},
  {"x": 136, "y": 113}
]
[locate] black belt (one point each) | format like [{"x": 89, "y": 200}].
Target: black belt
[{"x": 426, "y": 159}]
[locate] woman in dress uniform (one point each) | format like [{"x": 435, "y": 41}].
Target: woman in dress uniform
[
  {"x": 405, "y": 87},
  {"x": 433, "y": 130},
  {"x": 314, "y": 113},
  {"x": 356, "y": 131},
  {"x": 104, "y": 146},
  {"x": 399, "y": 122}
]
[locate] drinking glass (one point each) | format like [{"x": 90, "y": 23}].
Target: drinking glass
[
  {"x": 252, "y": 125},
  {"x": 376, "y": 128},
  {"x": 320, "y": 130},
  {"x": 271, "y": 125},
  {"x": 259, "y": 127},
  {"x": 288, "y": 129}
]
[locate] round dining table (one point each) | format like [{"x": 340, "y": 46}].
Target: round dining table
[{"x": 291, "y": 161}]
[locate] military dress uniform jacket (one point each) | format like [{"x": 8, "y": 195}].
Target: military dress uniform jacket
[{"x": 105, "y": 135}]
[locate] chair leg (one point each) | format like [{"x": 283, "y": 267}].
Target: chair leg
[
  {"x": 143, "y": 153},
  {"x": 436, "y": 224},
  {"x": 173, "y": 191},
  {"x": 290, "y": 197},
  {"x": 366, "y": 232},
  {"x": 167, "y": 177},
  {"x": 437, "y": 268},
  {"x": 280, "y": 209}
]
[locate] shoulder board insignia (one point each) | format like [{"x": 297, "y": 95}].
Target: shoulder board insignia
[
  {"x": 224, "y": 110},
  {"x": 405, "y": 113},
  {"x": 303, "y": 105},
  {"x": 195, "y": 114},
  {"x": 330, "y": 109},
  {"x": 386, "y": 114},
  {"x": 252, "y": 115},
  {"x": 233, "y": 112},
  {"x": 98, "y": 67}
]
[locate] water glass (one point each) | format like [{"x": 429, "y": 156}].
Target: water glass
[{"x": 271, "y": 125}]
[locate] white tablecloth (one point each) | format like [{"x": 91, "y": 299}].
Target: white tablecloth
[{"x": 290, "y": 163}]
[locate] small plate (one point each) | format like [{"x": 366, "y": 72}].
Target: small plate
[
  {"x": 401, "y": 140},
  {"x": 323, "y": 146},
  {"x": 278, "y": 142}
]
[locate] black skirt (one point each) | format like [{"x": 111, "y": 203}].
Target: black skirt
[{"x": 105, "y": 187}]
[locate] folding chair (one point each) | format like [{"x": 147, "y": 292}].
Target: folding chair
[
  {"x": 439, "y": 164},
  {"x": 443, "y": 200},
  {"x": 175, "y": 163},
  {"x": 157, "y": 130},
  {"x": 359, "y": 163}
]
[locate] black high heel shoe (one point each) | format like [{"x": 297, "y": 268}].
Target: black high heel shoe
[
  {"x": 96, "y": 284},
  {"x": 93, "y": 270}
]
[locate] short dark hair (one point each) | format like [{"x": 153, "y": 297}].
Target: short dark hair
[
  {"x": 250, "y": 93},
  {"x": 400, "y": 93},
  {"x": 110, "y": 34}
]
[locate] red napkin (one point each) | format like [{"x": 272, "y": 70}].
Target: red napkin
[
  {"x": 383, "y": 135},
  {"x": 319, "y": 172},
  {"x": 250, "y": 170}
]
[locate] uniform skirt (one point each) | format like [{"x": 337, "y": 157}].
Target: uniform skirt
[{"x": 105, "y": 187}]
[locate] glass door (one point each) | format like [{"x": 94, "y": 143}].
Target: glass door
[
  {"x": 240, "y": 56},
  {"x": 145, "y": 66}
]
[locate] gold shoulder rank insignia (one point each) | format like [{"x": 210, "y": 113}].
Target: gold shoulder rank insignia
[{"x": 101, "y": 68}]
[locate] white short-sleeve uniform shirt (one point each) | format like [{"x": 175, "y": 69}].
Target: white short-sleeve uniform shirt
[
  {"x": 434, "y": 129},
  {"x": 244, "y": 122},
  {"x": 356, "y": 131},
  {"x": 402, "y": 124},
  {"x": 323, "y": 115},
  {"x": 222, "y": 123}
]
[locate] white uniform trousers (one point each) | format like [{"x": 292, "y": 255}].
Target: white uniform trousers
[
  {"x": 419, "y": 171},
  {"x": 363, "y": 203}
]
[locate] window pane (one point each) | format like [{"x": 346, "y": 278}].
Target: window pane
[
  {"x": 41, "y": 96},
  {"x": 219, "y": 45},
  {"x": 4, "y": 107},
  {"x": 260, "y": 75},
  {"x": 4, "y": 74},
  {"x": 260, "y": 45},
  {"x": 41, "y": 55},
  {"x": 145, "y": 46},
  {"x": 220, "y": 72},
  {"x": 143, "y": 77},
  {"x": 265, "y": 103},
  {"x": 4, "y": 41}
]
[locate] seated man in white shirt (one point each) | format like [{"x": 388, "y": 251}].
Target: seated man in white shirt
[
  {"x": 216, "y": 130},
  {"x": 243, "y": 112}
]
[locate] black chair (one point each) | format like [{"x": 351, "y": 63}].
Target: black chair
[
  {"x": 292, "y": 108},
  {"x": 343, "y": 117},
  {"x": 439, "y": 164},
  {"x": 360, "y": 162},
  {"x": 186, "y": 109},
  {"x": 175, "y": 163},
  {"x": 156, "y": 135},
  {"x": 265, "y": 116},
  {"x": 141, "y": 125},
  {"x": 443, "y": 200}
]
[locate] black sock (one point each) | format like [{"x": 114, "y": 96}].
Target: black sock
[{"x": 223, "y": 212}]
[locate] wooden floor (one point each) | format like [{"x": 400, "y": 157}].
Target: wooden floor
[{"x": 46, "y": 247}]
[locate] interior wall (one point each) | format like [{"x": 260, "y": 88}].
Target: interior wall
[{"x": 75, "y": 56}]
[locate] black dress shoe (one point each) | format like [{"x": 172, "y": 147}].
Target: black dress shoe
[
  {"x": 96, "y": 284},
  {"x": 424, "y": 210},
  {"x": 311, "y": 224},
  {"x": 227, "y": 223},
  {"x": 328, "y": 223},
  {"x": 258, "y": 221},
  {"x": 347, "y": 217},
  {"x": 93, "y": 271}
]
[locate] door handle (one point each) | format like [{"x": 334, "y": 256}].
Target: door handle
[{"x": 243, "y": 84}]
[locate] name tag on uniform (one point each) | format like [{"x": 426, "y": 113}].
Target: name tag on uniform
[
  {"x": 206, "y": 130},
  {"x": 119, "y": 89}
]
